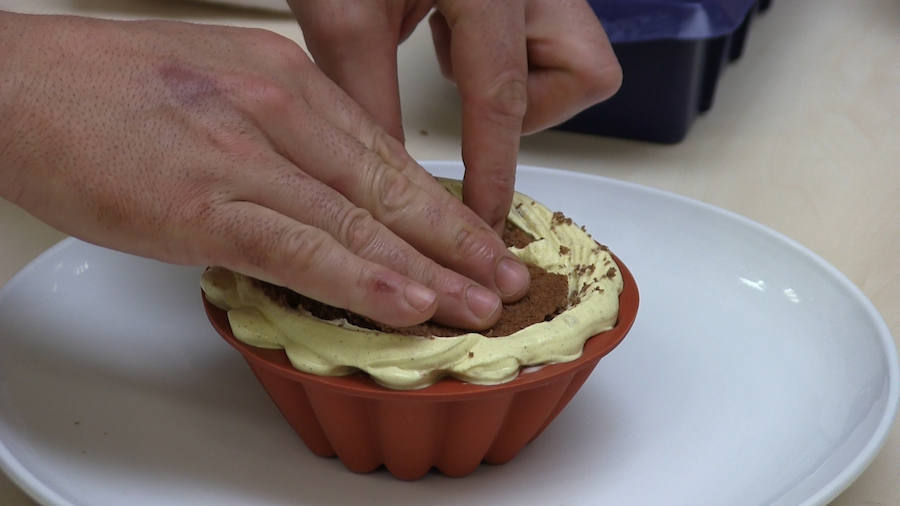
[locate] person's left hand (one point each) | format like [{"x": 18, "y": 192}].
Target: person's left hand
[{"x": 520, "y": 66}]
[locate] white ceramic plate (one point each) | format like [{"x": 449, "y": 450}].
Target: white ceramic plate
[{"x": 755, "y": 374}]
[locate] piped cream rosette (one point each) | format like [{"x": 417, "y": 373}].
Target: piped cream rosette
[{"x": 337, "y": 347}]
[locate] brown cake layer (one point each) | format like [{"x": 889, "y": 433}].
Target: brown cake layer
[
  {"x": 514, "y": 236},
  {"x": 547, "y": 296}
]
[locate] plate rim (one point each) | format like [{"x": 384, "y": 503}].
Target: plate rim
[
  {"x": 861, "y": 461},
  {"x": 19, "y": 474}
]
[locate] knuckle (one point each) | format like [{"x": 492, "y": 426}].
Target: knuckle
[
  {"x": 393, "y": 190},
  {"x": 358, "y": 230},
  {"x": 264, "y": 93},
  {"x": 376, "y": 139},
  {"x": 392, "y": 152},
  {"x": 292, "y": 56},
  {"x": 302, "y": 250},
  {"x": 473, "y": 245},
  {"x": 601, "y": 80},
  {"x": 507, "y": 100},
  {"x": 284, "y": 48},
  {"x": 277, "y": 41},
  {"x": 262, "y": 37}
]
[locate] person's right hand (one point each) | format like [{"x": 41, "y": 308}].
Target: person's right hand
[
  {"x": 520, "y": 66},
  {"x": 226, "y": 146}
]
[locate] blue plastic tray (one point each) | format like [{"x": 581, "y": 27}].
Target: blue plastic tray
[{"x": 672, "y": 53}]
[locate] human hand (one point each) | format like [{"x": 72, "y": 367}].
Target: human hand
[
  {"x": 520, "y": 66},
  {"x": 210, "y": 145}
]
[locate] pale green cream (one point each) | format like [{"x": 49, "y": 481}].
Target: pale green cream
[{"x": 335, "y": 348}]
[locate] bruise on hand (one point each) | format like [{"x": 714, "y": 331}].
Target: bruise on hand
[{"x": 188, "y": 86}]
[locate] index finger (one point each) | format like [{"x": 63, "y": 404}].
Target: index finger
[
  {"x": 374, "y": 171},
  {"x": 490, "y": 63}
]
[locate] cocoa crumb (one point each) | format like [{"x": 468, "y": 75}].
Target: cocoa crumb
[
  {"x": 563, "y": 250},
  {"x": 582, "y": 269},
  {"x": 611, "y": 273},
  {"x": 560, "y": 218},
  {"x": 471, "y": 354}
]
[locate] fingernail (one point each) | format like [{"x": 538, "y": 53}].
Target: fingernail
[
  {"x": 482, "y": 302},
  {"x": 419, "y": 297},
  {"x": 511, "y": 277}
]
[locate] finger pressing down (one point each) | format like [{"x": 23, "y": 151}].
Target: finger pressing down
[
  {"x": 268, "y": 245},
  {"x": 353, "y": 240},
  {"x": 489, "y": 61},
  {"x": 431, "y": 221}
]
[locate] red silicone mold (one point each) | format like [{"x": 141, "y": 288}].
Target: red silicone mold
[{"x": 452, "y": 425}]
